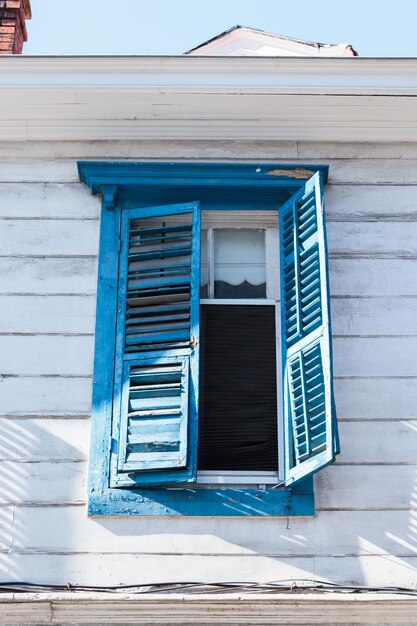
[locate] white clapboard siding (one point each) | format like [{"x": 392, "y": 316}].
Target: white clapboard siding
[
  {"x": 346, "y": 150},
  {"x": 101, "y": 569},
  {"x": 49, "y": 237},
  {"x": 342, "y": 171},
  {"x": 43, "y": 354},
  {"x": 374, "y": 316},
  {"x": 373, "y": 356},
  {"x": 370, "y": 203},
  {"x": 44, "y": 439},
  {"x": 47, "y": 200},
  {"x": 6, "y": 528},
  {"x": 145, "y": 150},
  {"x": 378, "y": 442},
  {"x": 29, "y": 275},
  {"x": 53, "y": 395},
  {"x": 372, "y": 238},
  {"x": 376, "y": 398},
  {"x": 47, "y": 314},
  {"x": 37, "y": 482},
  {"x": 51, "y": 529},
  {"x": 373, "y": 277},
  {"x": 111, "y": 569},
  {"x": 377, "y": 487}
]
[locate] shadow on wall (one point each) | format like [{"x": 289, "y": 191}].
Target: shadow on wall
[
  {"x": 42, "y": 470},
  {"x": 365, "y": 532}
]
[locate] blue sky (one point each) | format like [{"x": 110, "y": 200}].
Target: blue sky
[{"x": 373, "y": 27}]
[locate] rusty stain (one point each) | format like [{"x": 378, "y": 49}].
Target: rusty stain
[{"x": 299, "y": 172}]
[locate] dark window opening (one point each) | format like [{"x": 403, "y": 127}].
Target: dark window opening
[{"x": 238, "y": 389}]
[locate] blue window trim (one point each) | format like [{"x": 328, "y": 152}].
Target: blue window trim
[{"x": 133, "y": 184}]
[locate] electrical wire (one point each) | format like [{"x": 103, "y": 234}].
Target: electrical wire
[{"x": 300, "y": 586}]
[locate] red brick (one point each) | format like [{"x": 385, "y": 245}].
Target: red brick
[{"x": 13, "y": 14}]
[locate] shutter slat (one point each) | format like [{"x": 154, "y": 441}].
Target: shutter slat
[{"x": 309, "y": 417}]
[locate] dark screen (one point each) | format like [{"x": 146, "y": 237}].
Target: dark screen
[{"x": 238, "y": 398}]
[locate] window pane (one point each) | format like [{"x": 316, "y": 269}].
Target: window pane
[
  {"x": 204, "y": 266},
  {"x": 238, "y": 388},
  {"x": 239, "y": 264}
]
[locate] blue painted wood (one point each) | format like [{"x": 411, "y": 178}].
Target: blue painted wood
[
  {"x": 219, "y": 186},
  {"x": 207, "y": 502},
  {"x": 101, "y": 413},
  {"x": 310, "y": 425},
  {"x": 170, "y": 387}
]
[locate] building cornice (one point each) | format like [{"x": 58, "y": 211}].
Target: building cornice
[
  {"x": 208, "y": 98},
  {"x": 274, "y": 609}
]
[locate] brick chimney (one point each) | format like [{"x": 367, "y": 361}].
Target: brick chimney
[{"x": 13, "y": 15}]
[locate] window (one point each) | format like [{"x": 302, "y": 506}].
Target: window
[{"x": 177, "y": 403}]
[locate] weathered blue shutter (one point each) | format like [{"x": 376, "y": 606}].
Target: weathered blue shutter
[
  {"x": 156, "y": 382},
  {"x": 310, "y": 427}
]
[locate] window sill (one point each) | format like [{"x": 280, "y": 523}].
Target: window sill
[{"x": 298, "y": 501}]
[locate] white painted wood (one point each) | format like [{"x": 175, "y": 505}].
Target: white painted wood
[
  {"x": 378, "y": 442},
  {"x": 49, "y": 237},
  {"x": 144, "y": 150},
  {"x": 44, "y": 439},
  {"x": 376, "y": 356},
  {"x": 51, "y": 529},
  {"x": 374, "y": 316},
  {"x": 371, "y": 203},
  {"x": 28, "y": 275},
  {"x": 109, "y": 569},
  {"x": 47, "y": 314},
  {"x": 45, "y": 200},
  {"x": 42, "y": 354},
  {"x": 376, "y": 398},
  {"x": 373, "y": 277},
  {"x": 54, "y": 395},
  {"x": 359, "y": 150},
  {"x": 372, "y": 238},
  {"x": 40, "y": 482},
  {"x": 379, "y": 487},
  {"x": 104, "y": 569}
]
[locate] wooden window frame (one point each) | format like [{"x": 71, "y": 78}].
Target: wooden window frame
[{"x": 123, "y": 185}]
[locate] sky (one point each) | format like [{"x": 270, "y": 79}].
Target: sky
[{"x": 165, "y": 27}]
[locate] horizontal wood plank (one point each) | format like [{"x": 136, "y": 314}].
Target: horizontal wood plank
[
  {"x": 60, "y": 396},
  {"x": 49, "y": 237},
  {"x": 376, "y": 398},
  {"x": 101, "y": 569},
  {"x": 374, "y": 316},
  {"x": 47, "y": 314},
  {"x": 46, "y": 440},
  {"x": 370, "y": 203},
  {"x": 30, "y": 275},
  {"x": 376, "y": 487},
  {"x": 50, "y": 529},
  {"x": 47, "y": 200}
]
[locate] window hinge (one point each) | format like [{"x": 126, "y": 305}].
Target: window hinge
[{"x": 193, "y": 342}]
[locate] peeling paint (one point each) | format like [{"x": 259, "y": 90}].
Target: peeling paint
[{"x": 299, "y": 172}]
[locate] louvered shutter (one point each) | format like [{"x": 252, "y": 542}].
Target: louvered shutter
[
  {"x": 310, "y": 427},
  {"x": 156, "y": 385}
]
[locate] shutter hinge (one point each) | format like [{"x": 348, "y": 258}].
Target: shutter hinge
[{"x": 193, "y": 342}]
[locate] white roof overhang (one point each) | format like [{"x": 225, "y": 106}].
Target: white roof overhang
[{"x": 207, "y": 98}]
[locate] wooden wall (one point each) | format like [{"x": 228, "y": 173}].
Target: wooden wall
[{"x": 365, "y": 531}]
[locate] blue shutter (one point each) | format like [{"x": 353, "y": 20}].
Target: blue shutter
[
  {"x": 156, "y": 381},
  {"x": 310, "y": 426}
]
